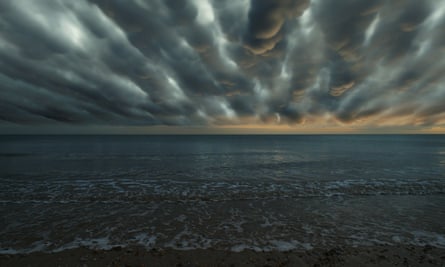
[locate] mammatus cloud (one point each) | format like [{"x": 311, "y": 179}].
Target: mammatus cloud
[
  {"x": 266, "y": 22},
  {"x": 280, "y": 63}
]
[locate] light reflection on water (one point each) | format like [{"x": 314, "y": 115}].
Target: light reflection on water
[{"x": 441, "y": 157}]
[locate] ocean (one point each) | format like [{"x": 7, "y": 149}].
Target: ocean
[{"x": 261, "y": 192}]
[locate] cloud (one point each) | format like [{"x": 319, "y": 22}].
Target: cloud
[
  {"x": 266, "y": 22},
  {"x": 208, "y": 63}
]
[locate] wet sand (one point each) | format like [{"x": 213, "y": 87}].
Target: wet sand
[{"x": 339, "y": 256}]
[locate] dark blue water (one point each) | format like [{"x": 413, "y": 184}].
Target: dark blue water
[{"x": 225, "y": 192}]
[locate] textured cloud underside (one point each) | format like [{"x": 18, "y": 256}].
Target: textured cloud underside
[{"x": 203, "y": 62}]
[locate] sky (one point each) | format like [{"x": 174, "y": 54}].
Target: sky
[{"x": 222, "y": 66}]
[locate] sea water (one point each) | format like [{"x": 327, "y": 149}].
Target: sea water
[{"x": 265, "y": 192}]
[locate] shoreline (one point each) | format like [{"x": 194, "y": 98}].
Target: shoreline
[{"x": 384, "y": 255}]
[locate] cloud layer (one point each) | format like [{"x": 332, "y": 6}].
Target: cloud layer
[{"x": 217, "y": 63}]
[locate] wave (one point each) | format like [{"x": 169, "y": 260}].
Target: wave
[{"x": 127, "y": 190}]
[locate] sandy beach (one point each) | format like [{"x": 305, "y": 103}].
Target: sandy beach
[{"x": 137, "y": 256}]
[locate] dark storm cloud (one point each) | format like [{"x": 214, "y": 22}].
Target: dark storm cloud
[
  {"x": 204, "y": 62},
  {"x": 267, "y": 20}
]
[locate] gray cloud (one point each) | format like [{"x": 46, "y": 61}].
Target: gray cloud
[
  {"x": 266, "y": 25},
  {"x": 203, "y": 62}
]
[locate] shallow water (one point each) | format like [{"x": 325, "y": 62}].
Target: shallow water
[{"x": 225, "y": 192}]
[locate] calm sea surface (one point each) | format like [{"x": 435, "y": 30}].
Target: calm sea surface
[{"x": 222, "y": 192}]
